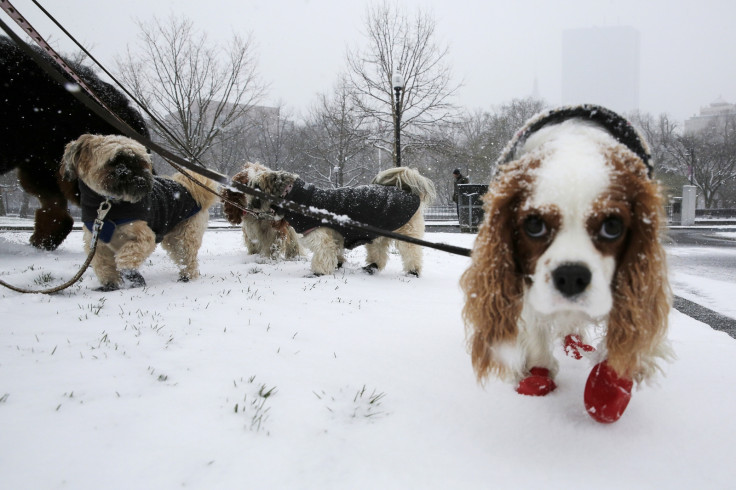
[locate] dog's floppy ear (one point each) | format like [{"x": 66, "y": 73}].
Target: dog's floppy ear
[
  {"x": 641, "y": 293},
  {"x": 492, "y": 284},
  {"x": 72, "y": 153},
  {"x": 233, "y": 214}
]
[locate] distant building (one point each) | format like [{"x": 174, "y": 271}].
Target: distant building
[
  {"x": 716, "y": 110},
  {"x": 600, "y": 65}
]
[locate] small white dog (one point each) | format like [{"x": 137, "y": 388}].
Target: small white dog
[
  {"x": 145, "y": 209},
  {"x": 570, "y": 239},
  {"x": 393, "y": 201}
]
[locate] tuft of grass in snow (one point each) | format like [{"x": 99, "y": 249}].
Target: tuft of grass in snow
[
  {"x": 44, "y": 279},
  {"x": 254, "y": 405},
  {"x": 365, "y": 404},
  {"x": 93, "y": 308},
  {"x": 161, "y": 377}
]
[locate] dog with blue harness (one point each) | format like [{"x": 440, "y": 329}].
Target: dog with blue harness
[{"x": 144, "y": 209}]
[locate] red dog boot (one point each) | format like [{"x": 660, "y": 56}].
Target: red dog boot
[
  {"x": 606, "y": 395},
  {"x": 574, "y": 344},
  {"x": 538, "y": 383}
]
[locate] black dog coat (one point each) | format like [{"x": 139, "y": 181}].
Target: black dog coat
[
  {"x": 167, "y": 205},
  {"x": 385, "y": 207}
]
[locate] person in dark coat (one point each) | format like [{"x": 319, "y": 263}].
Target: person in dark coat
[{"x": 459, "y": 179}]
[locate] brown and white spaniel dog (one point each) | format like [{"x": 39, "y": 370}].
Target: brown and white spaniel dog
[{"x": 570, "y": 244}]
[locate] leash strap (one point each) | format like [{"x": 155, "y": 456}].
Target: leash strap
[
  {"x": 92, "y": 102},
  {"x": 101, "y": 213}
]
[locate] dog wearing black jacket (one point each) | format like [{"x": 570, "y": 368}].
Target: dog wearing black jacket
[
  {"x": 394, "y": 201},
  {"x": 38, "y": 116},
  {"x": 145, "y": 209}
]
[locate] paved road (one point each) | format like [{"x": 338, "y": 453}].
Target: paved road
[
  {"x": 702, "y": 237},
  {"x": 703, "y": 314},
  {"x": 701, "y": 252}
]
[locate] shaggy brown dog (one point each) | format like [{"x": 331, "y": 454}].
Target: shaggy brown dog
[
  {"x": 393, "y": 201},
  {"x": 145, "y": 209},
  {"x": 267, "y": 235}
]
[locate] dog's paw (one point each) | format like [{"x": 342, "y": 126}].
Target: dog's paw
[
  {"x": 183, "y": 279},
  {"x": 606, "y": 395},
  {"x": 413, "y": 273},
  {"x": 538, "y": 383},
  {"x": 132, "y": 279},
  {"x": 371, "y": 268},
  {"x": 105, "y": 288}
]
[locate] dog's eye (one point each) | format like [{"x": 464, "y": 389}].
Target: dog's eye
[
  {"x": 535, "y": 227},
  {"x": 612, "y": 228}
]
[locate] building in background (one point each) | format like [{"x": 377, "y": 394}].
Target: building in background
[
  {"x": 715, "y": 111},
  {"x": 600, "y": 65}
]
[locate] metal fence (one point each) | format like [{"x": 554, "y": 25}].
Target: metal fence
[{"x": 447, "y": 212}]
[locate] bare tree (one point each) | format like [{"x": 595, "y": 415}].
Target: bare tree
[
  {"x": 707, "y": 157},
  {"x": 661, "y": 134},
  {"x": 483, "y": 135},
  {"x": 272, "y": 137},
  {"x": 182, "y": 80},
  {"x": 399, "y": 44},
  {"x": 338, "y": 139},
  {"x": 231, "y": 146},
  {"x": 13, "y": 198}
]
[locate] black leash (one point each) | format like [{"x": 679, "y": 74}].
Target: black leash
[
  {"x": 122, "y": 87},
  {"x": 96, "y": 228},
  {"x": 93, "y": 103}
]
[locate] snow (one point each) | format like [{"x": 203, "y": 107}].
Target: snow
[
  {"x": 707, "y": 285},
  {"x": 711, "y": 293},
  {"x": 368, "y": 380},
  {"x": 731, "y": 235}
]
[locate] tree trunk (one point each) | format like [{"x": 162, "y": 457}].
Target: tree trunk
[{"x": 25, "y": 207}]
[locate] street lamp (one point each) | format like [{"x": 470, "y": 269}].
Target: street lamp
[{"x": 398, "y": 84}]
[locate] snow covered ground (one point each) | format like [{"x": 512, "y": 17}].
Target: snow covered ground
[{"x": 256, "y": 376}]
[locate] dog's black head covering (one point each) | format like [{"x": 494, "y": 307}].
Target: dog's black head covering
[{"x": 621, "y": 129}]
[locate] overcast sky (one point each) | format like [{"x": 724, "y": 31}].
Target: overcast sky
[{"x": 497, "y": 48}]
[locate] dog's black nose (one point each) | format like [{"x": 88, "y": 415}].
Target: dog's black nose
[{"x": 571, "y": 279}]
